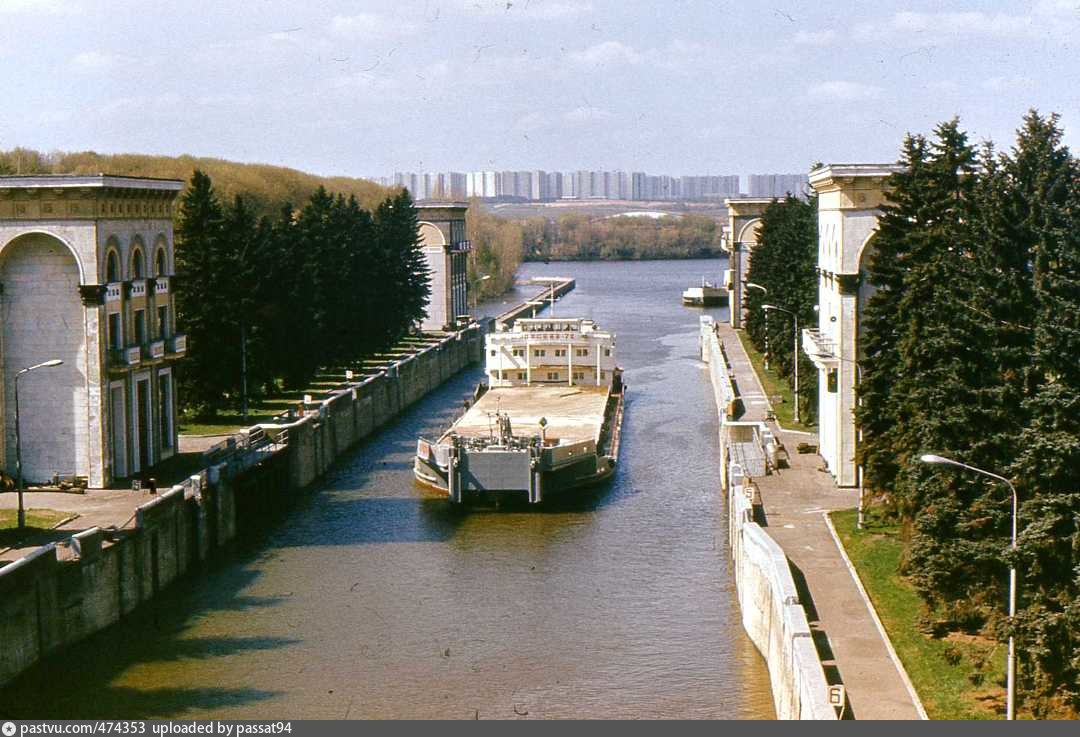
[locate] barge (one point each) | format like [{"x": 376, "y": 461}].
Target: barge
[{"x": 547, "y": 422}]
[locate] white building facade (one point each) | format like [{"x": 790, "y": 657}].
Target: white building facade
[
  {"x": 445, "y": 246},
  {"x": 849, "y": 201},
  {"x": 86, "y": 273},
  {"x": 550, "y": 351}
]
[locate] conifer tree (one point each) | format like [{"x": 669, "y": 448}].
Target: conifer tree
[{"x": 200, "y": 301}]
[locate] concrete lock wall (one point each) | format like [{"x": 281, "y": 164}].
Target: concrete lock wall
[
  {"x": 63, "y": 592},
  {"x": 772, "y": 614}
]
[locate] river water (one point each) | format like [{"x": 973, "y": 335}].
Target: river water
[{"x": 373, "y": 598}]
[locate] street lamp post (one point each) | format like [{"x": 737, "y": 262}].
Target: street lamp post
[
  {"x": 752, "y": 285},
  {"x": 476, "y": 292},
  {"x": 1010, "y": 707},
  {"x": 18, "y": 441},
  {"x": 794, "y": 354}
]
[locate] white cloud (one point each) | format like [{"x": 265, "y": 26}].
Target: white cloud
[
  {"x": 944, "y": 25},
  {"x": 531, "y": 122},
  {"x": 815, "y": 38},
  {"x": 844, "y": 91},
  {"x": 606, "y": 53},
  {"x": 49, "y": 7},
  {"x": 530, "y": 9},
  {"x": 368, "y": 26},
  {"x": 586, "y": 114},
  {"x": 97, "y": 61},
  {"x": 1008, "y": 83}
]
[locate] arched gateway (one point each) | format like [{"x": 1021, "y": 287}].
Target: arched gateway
[
  {"x": 108, "y": 410},
  {"x": 849, "y": 201}
]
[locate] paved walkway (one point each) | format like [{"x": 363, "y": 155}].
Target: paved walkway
[
  {"x": 104, "y": 507},
  {"x": 795, "y": 500}
]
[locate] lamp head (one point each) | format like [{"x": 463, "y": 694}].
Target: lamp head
[
  {"x": 768, "y": 307},
  {"x": 931, "y": 458}
]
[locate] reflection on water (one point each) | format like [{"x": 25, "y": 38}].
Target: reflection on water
[{"x": 374, "y": 598}]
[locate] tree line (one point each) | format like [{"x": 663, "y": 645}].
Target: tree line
[
  {"x": 264, "y": 187},
  {"x": 971, "y": 350},
  {"x": 579, "y": 237},
  {"x": 325, "y": 284},
  {"x": 784, "y": 262}
]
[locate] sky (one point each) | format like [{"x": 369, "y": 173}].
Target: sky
[{"x": 677, "y": 86}]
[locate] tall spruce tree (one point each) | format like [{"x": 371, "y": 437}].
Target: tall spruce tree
[
  {"x": 200, "y": 297},
  {"x": 784, "y": 262},
  {"x": 1048, "y": 469},
  {"x": 878, "y": 413}
]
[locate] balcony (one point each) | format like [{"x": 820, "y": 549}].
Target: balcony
[
  {"x": 462, "y": 246},
  {"x": 820, "y": 349},
  {"x": 124, "y": 358},
  {"x": 161, "y": 285},
  {"x": 138, "y": 288},
  {"x": 157, "y": 349},
  {"x": 114, "y": 291},
  {"x": 178, "y": 345}
]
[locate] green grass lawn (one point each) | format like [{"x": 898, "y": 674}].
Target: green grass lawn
[
  {"x": 957, "y": 677},
  {"x": 39, "y": 523},
  {"x": 774, "y": 386}
]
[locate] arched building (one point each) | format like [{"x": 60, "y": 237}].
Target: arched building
[
  {"x": 849, "y": 201},
  {"x": 741, "y": 236},
  {"x": 443, "y": 240},
  {"x": 86, "y": 275}
]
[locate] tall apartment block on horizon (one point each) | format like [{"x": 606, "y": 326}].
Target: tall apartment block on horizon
[{"x": 538, "y": 185}]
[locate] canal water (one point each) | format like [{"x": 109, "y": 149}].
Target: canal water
[{"x": 373, "y": 598}]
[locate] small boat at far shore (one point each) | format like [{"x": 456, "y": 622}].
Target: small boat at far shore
[{"x": 707, "y": 295}]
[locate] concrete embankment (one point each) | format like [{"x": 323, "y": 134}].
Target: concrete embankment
[
  {"x": 61, "y": 593},
  {"x": 554, "y": 288},
  {"x": 772, "y": 613}
]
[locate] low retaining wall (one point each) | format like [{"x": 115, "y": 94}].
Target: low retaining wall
[
  {"x": 772, "y": 614},
  {"x": 61, "y": 593}
]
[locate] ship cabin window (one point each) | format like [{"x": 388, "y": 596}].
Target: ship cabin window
[
  {"x": 539, "y": 353},
  {"x": 579, "y": 376},
  {"x": 517, "y": 352},
  {"x": 552, "y": 376},
  {"x": 521, "y": 376},
  {"x": 607, "y": 352},
  {"x": 581, "y": 352},
  {"x": 560, "y": 352}
]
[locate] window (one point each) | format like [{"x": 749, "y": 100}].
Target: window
[
  {"x": 140, "y": 326},
  {"x": 492, "y": 351},
  {"x": 603, "y": 374},
  {"x": 518, "y": 352},
  {"x": 112, "y": 267},
  {"x": 165, "y": 413},
  {"x": 163, "y": 321},
  {"x": 116, "y": 335},
  {"x": 539, "y": 353},
  {"x": 581, "y": 352},
  {"x": 560, "y": 352},
  {"x": 607, "y": 352},
  {"x": 162, "y": 266},
  {"x": 138, "y": 264},
  {"x": 521, "y": 376},
  {"x": 553, "y": 376},
  {"x": 579, "y": 376}
]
